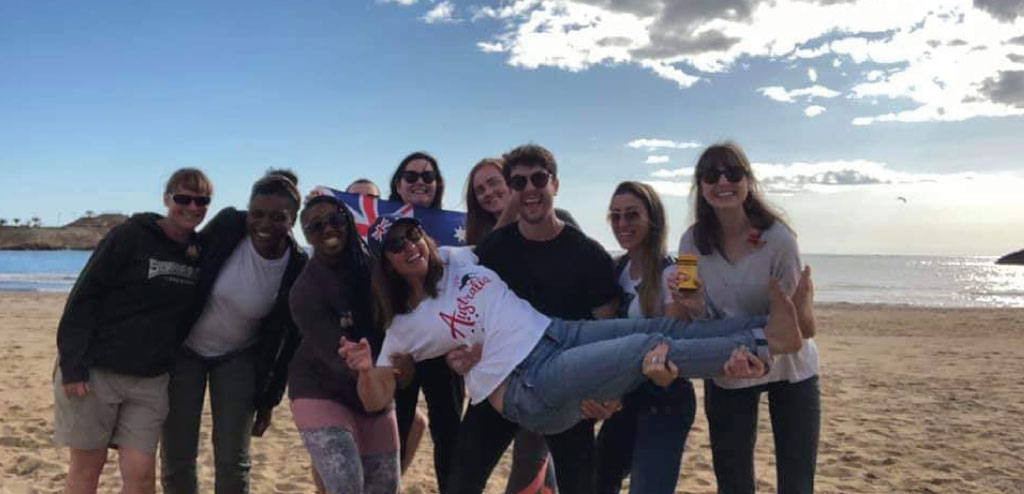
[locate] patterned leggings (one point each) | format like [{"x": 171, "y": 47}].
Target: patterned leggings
[{"x": 337, "y": 460}]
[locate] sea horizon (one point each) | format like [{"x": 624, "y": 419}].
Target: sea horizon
[{"x": 887, "y": 279}]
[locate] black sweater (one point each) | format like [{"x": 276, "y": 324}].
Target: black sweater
[
  {"x": 126, "y": 310},
  {"x": 278, "y": 335}
]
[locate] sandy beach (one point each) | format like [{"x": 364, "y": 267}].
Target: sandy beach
[{"x": 914, "y": 401}]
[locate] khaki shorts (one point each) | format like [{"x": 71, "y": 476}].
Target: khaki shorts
[{"x": 119, "y": 410}]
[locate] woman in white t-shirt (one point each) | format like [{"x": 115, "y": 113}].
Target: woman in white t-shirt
[
  {"x": 533, "y": 369},
  {"x": 742, "y": 245}
]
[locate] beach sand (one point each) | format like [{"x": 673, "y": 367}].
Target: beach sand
[{"x": 914, "y": 400}]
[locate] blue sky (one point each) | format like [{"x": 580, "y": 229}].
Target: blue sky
[{"x": 842, "y": 106}]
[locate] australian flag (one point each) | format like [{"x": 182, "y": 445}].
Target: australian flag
[{"x": 446, "y": 227}]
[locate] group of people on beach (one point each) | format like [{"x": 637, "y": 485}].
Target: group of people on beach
[{"x": 546, "y": 332}]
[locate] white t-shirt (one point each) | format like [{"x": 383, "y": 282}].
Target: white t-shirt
[
  {"x": 629, "y": 286},
  {"x": 473, "y": 306},
  {"x": 243, "y": 294},
  {"x": 741, "y": 289}
]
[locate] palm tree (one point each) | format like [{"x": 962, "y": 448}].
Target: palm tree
[
  {"x": 3, "y": 222},
  {"x": 89, "y": 213},
  {"x": 16, "y": 221},
  {"x": 37, "y": 222}
]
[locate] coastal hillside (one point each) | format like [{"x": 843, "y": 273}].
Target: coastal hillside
[
  {"x": 82, "y": 234},
  {"x": 1012, "y": 258}
]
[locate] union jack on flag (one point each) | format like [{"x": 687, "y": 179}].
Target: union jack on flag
[{"x": 446, "y": 227}]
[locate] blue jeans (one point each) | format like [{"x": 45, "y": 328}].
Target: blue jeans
[
  {"x": 795, "y": 410},
  {"x": 645, "y": 440},
  {"x": 603, "y": 360}
]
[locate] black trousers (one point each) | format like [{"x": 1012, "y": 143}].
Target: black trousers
[
  {"x": 444, "y": 393},
  {"x": 485, "y": 435},
  {"x": 795, "y": 410}
]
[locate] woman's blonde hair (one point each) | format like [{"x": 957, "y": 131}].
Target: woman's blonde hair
[{"x": 654, "y": 245}]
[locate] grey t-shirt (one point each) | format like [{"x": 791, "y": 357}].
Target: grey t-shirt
[
  {"x": 741, "y": 288},
  {"x": 243, "y": 294}
]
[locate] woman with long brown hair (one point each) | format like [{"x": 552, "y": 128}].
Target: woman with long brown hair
[
  {"x": 646, "y": 438},
  {"x": 743, "y": 245}
]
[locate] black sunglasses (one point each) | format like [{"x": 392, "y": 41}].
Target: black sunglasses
[
  {"x": 396, "y": 244},
  {"x": 335, "y": 220},
  {"x": 411, "y": 177},
  {"x": 732, "y": 173},
  {"x": 538, "y": 179},
  {"x": 185, "y": 199}
]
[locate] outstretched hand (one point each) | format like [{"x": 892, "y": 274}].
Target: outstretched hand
[{"x": 356, "y": 354}]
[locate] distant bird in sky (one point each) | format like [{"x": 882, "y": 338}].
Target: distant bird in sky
[{"x": 901, "y": 198}]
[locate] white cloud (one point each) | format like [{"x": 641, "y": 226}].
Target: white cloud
[
  {"x": 819, "y": 176},
  {"x": 779, "y": 93},
  {"x": 668, "y": 188},
  {"x": 812, "y": 74},
  {"x": 653, "y": 144},
  {"x": 677, "y": 173},
  {"x": 656, "y": 160},
  {"x": 671, "y": 73},
  {"x": 935, "y": 54},
  {"x": 814, "y": 110},
  {"x": 443, "y": 12},
  {"x": 490, "y": 47}
]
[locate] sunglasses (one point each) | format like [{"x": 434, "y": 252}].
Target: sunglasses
[
  {"x": 732, "y": 173},
  {"x": 335, "y": 220},
  {"x": 396, "y": 244},
  {"x": 185, "y": 199},
  {"x": 274, "y": 216},
  {"x": 411, "y": 177},
  {"x": 629, "y": 217},
  {"x": 538, "y": 179}
]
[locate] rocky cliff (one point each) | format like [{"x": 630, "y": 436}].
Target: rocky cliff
[
  {"x": 1014, "y": 258},
  {"x": 81, "y": 234}
]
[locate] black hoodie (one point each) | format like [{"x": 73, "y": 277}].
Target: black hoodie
[{"x": 126, "y": 311}]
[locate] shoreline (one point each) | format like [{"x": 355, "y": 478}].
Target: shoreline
[{"x": 913, "y": 400}]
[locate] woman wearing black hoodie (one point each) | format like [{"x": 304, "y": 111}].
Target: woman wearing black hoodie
[
  {"x": 117, "y": 338},
  {"x": 241, "y": 338}
]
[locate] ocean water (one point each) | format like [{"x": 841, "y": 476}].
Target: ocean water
[{"x": 928, "y": 281}]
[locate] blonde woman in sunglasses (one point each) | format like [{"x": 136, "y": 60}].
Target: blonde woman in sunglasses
[{"x": 118, "y": 336}]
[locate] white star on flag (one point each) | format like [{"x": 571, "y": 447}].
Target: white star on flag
[{"x": 460, "y": 234}]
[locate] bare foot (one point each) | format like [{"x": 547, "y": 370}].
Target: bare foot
[
  {"x": 803, "y": 299},
  {"x": 782, "y": 330}
]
